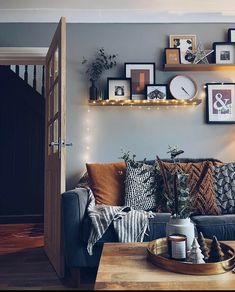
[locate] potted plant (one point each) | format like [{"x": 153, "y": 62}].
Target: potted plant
[
  {"x": 96, "y": 67},
  {"x": 178, "y": 197}
]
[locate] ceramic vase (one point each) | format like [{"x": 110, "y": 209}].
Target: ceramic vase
[
  {"x": 181, "y": 226},
  {"x": 93, "y": 90}
]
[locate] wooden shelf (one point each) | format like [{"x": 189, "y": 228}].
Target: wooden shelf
[
  {"x": 199, "y": 67},
  {"x": 145, "y": 102}
]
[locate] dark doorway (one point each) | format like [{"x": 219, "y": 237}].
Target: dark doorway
[{"x": 22, "y": 118}]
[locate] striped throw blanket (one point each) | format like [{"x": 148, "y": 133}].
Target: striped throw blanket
[{"x": 130, "y": 225}]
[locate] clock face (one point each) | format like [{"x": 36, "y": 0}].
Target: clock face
[{"x": 183, "y": 87}]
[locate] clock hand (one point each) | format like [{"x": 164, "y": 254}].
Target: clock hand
[{"x": 185, "y": 90}]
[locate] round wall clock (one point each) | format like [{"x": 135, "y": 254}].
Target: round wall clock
[{"x": 183, "y": 87}]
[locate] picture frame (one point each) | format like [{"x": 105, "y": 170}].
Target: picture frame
[
  {"x": 224, "y": 52},
  {"x": 140, "y": 74},
  {"x": 172, "y": 56},
  {"x": 186, "y": 44},
  {"x": 156, "y": 91},
  {"x": 119, "y": 88},
  {"x": 220, "y": 103},
  {"x": 231, "y": 35}
]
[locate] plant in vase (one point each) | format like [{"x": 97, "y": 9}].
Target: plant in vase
[
  {"x": 96, "y": 67},
  {"x": 178, "y": 200}
]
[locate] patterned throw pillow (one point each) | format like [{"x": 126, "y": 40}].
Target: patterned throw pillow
[
  {"x": 224, "y": 180},
  {"x": 139, "y": 193},
  {"x": 204, "y": 200}
]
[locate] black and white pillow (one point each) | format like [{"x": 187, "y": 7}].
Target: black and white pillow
[
  {"x": 139, "y": 191},
  {"x": 224, "y": 179}
]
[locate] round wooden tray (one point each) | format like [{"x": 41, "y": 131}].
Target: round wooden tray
[{"x": 157, "y": 253}]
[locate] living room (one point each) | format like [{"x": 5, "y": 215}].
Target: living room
[{"x": 136, "y": 33}]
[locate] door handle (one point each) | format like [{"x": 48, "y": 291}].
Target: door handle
[
  {"x": 66, "y": 144},
  {"x": 54, "y": 144},
  {"x": 60, "y": 143}
]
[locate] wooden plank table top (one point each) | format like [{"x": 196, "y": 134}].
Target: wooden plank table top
[{"x": 124, "y": 266}]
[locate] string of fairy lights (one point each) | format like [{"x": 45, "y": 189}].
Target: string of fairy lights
[
  {"x": 86, "y": 156},
  {"x": 141, "y": 103},
  {"x": 137, "y": 104}
]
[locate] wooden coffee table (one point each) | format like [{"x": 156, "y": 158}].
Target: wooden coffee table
[{"x": 124, "y": 266}]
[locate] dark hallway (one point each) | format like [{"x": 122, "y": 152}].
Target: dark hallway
[{"x": 21, "y": 151}]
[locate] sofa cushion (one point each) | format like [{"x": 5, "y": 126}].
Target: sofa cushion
[
  {"x": 224, "y": 180},
  {"x": 222, "y": 226},
  {"x": 204, "y": 200},
  {"x": 139, "y": 192},
  {"x": 107, "y": 181}
]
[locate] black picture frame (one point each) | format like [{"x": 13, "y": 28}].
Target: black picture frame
[
  {"x": 172, "y": 56},
  {"x": 156, "y": 91},
  {"x": 231, "y": 35},
  {"x": 224, "y": 52},
  {"x": 220, "y": 103},
  {"x": 141, "y": 74},
  {"x": 119, "y": 88}
]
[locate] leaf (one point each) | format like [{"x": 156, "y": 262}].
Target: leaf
[{"x": 101, "y": 62}]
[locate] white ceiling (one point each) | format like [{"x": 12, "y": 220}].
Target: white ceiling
[{"x": 140, "y": 11}]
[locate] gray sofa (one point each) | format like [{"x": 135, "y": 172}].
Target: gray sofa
[{"x": 76, "y": 226}]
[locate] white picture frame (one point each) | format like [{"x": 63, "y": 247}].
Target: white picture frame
[{"x": 119, "y": 88}]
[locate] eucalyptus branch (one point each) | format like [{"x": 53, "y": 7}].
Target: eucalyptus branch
[
  {"x": 175, "y": 192},
  {"x": 167, "y": 187},
  {"x": 102, "y": 62}
]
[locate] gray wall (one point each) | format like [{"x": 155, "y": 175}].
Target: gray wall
[{"x": 145, "y": 132}]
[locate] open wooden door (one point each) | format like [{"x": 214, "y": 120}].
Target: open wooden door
[{"x": 55, "y": 146}]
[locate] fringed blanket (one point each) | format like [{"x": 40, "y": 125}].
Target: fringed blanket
[{"x": 130, "y": 225}]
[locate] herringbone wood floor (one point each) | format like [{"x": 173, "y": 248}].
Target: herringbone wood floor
[{"x": 24, "y": 264}]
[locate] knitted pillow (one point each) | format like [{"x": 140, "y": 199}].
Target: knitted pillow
[
  {"x": 224, "y": 182},
  {"x": 139, "y": 193},
  {"x": 204, "y": 200}
]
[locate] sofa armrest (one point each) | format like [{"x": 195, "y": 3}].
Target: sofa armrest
[{"x": 73, "y": 207}]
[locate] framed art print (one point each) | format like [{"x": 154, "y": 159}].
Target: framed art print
[
  {"x": 119, "y": 88},
  {"x": 156, "y": 91},
  {"x": 186, "y": 44},
  {"x": 140, "y": 74},
  {"x": 224, "y": 53},
  {"x": 172, "y": 56},
  {"x": 220, "y": 103},
  {"x": 231, "y": 34}
]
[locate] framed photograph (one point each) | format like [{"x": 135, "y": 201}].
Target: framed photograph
[
  {"x": 220, "y": 103},
  {"x": 186, "y": 43},
  {"x": 172, "y": 56},
  {"x": 231, "y": 34},
  {"x": 119, "y": 88},
  {"x": 156, "y": 91},
  {"x": 140, "y": 74},
  {"x": 224, "y": 53}
]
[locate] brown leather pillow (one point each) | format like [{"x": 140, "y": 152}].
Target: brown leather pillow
[
  {"x": 107, "y": 181},
  {"x": 204, "y": 200}
]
